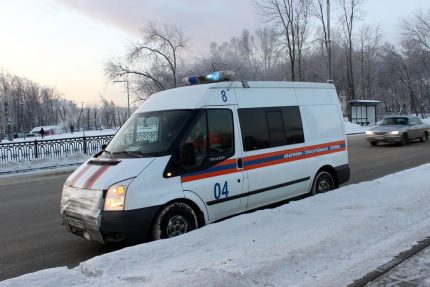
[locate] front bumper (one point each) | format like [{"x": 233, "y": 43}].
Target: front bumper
[
  {"x": 384, "y": 138},
  {"x": 114, "y": 226},
  {"x": 82, "y": 214}
]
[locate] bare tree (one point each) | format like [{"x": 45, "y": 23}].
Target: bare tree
[
  {"x": 417, "y": 29},
  {"x": 369, "y": 41},
  {"x": 350, "y": 13},
  {"x": 153, "y": 63},
  {"x": 293, "y": 18}
]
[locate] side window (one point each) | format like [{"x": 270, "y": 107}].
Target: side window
[
  {"x": 253, "y": 123},
  {"x": 416, "y": 121},
  {"x": 220, "y": 125},
  {"x": 208, "y": 141},
  {"x": 293, "y": 125},
  {"x": 270, "y": 127},
  {"x": 276, "y": 129},
  {"x": 193, "y": 147}
]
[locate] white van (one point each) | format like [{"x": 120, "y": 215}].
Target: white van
[{"x": 193, "y": 155}]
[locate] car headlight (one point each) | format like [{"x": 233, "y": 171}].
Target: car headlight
[
  {"x": 115, "y": 196},
  {"x": 369, "y": 133},
  {"x": 394, "y": 132}
]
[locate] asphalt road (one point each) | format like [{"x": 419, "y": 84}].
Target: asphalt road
[{"x": 32, "y": 237}]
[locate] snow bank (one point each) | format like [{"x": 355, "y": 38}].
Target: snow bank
[
  {"x": 351, "y": 128},
  {"x": 327, "y": 240},
  {"x": 38, "y": 163}
]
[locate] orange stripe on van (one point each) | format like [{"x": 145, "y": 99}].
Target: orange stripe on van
[
  {"x": 267, "y": 159},
  {"x": 92, "y": 179},
  {"x": 77, "y": 176}
]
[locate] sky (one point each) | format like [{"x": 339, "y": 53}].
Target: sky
[{"x": 65, "y": 43}]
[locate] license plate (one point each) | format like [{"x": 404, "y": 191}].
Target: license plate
[{"x": 79, "y": 223}]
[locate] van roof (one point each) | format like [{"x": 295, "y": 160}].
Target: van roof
[{"x": 196, "y": 96}]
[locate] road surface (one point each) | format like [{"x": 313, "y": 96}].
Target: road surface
[{"x": 32, "y": 237}]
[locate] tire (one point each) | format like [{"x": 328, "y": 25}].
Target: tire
[
  {"x": 373, "y": 143},
  {"x": 403, "y": 140},
  {"x": 323, "y": 182},
  {"x": 174, "y": 219},
  {"x": 425, "y": 137}
]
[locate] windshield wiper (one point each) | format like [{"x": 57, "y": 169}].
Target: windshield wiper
[{"x": 136, "y": 154}]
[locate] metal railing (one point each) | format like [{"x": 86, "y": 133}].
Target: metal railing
[{"x": 56, "y": 148}]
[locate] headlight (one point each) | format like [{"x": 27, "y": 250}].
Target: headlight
[
  {"x": 369, "y": 133},
  {"x": 394, "y": 132},
  {"x": 115, "y": 196}
]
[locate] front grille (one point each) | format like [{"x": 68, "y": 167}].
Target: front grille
[
  {"x": 380, "y": 133},
  {"x": 81, "y": 201}
]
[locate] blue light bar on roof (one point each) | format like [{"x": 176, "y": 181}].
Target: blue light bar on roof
[{"x": 213, "y": 77}]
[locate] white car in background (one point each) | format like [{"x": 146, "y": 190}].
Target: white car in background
[{"x": 398, "y": 130}]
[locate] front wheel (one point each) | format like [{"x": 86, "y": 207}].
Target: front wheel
[
  {"x": 403, "y": 140},
  {"x": 323, "y": 182},
  {"x": 174, "y": 219},
  {"x": 425, "y": 137}
]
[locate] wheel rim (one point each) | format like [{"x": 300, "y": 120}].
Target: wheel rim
[
  {"x": 177, "y": 225},
  {"x": 325, "y": 183}
]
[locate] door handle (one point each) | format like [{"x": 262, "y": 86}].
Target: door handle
[{"x": 239, "y": 163}]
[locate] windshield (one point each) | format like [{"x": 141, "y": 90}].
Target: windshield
[
  {"x": 148, "y": 134},
  {"x": 401, "y": 121}
]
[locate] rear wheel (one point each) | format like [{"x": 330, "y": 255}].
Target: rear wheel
[
  {"x": 323, "y": 182},
  {"x": 425, "y": 137},
  {"x": 174, "y": 219}
]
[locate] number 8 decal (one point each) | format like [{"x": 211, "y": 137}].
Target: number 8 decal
[{"x": 224, "y": 96}]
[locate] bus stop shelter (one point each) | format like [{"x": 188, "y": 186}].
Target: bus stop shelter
[{"x": 363, "y": 112}]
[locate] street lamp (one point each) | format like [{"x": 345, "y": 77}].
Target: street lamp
[
  {"x": 128, "y": 96},
  {"x": 330, "y": 80}
]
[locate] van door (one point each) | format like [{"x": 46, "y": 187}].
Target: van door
[
  {"x": 274, "y": 154},
  {"x": 215, "y": 174}
]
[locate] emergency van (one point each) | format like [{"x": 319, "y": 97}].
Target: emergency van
[{"x": 192, "y": 155}]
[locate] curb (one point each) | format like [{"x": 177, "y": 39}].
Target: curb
[
  {"x": 22, "y": 171},
  {"x": 381, "y": 270},
  {"x": 354, "y": 134}
]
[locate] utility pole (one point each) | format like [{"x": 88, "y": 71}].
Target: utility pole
[
  {"x": 8, "y": 122},
  {"x": 80, "y": 114},
  {"x": 330, "y": 79}
]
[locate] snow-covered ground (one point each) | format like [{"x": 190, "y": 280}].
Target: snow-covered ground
[{"x": 327, "y": 240}]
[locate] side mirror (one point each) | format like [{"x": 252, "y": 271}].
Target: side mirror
[
  {"x": 188, "y": 154},
  {"x": 100, "y": 152}
]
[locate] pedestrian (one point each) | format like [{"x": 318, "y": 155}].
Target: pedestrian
[
  {"x": 42, "y": 132},
  {"x": 72, "y": 128}
]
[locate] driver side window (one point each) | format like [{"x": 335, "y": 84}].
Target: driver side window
[{"x": 209, "y": 141}]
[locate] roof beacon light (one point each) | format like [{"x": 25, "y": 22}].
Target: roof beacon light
[{"x": 218, "y": 76}]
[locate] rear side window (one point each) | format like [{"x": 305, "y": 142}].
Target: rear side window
[
  {"x": 270, "y": 127},
  {"x": 255, "y": 134},
  {"x": 275, "y": 124},
  {"x": 293, "y": 125}
]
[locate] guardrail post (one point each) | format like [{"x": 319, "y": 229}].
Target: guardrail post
[
  {"x": 85, "y": 145},
  {"x": 36, "y": 153}
]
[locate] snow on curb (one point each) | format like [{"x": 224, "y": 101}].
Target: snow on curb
[
  {"x": 326, "y": 240},
  {"x": 42, "y": 163}
]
